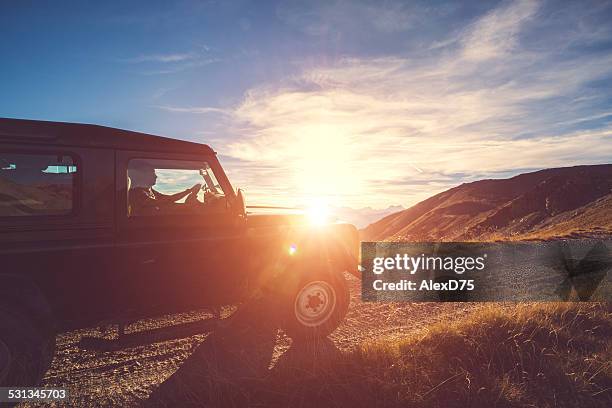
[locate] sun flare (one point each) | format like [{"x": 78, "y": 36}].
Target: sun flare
[
  {"x": 324, "y": 165},
  {"x": 318, "y": 212}
]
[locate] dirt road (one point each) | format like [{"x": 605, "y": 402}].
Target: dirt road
[{"x": 143, "y": 373}]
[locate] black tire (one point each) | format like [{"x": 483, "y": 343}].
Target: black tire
[
  {"x": 26, "y": 349},
  {"x": 316, "y": 305}
]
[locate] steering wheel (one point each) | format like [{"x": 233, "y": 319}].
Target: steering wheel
[{"x": 192, "y": 198}]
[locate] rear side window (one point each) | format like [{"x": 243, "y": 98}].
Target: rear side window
[{"x": 36, "y": 184}]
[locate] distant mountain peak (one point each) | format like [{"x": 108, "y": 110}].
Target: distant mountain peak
[{"x": 361, "y": 217}]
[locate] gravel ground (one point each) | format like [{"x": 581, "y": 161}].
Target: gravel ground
[{"x": 137, "y": 374}]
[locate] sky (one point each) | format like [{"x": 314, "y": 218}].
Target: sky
[{"x": 357, "y": 103}]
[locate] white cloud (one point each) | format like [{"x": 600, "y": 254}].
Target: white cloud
[
  {"x": 163, "y": 58},
  {"x": 194, "y": 110},
  {"x": 495, "y": 34}
]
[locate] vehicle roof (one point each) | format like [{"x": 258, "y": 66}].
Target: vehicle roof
[{"x": 86, "y": 135}]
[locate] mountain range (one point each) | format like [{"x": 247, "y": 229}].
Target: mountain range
[
  {"x": 546, "y": 204},
  {"x": 362, "y": 217}
]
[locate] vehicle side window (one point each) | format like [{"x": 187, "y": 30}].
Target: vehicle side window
[
  {"x": 162, "y": 187},
  {"x": 36, "y": 184}
]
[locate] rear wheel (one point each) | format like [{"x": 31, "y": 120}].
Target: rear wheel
[
  {"x": 26, "y": 351},
  {"x": 5, "y": 360},
  {"x": 316, "y": 305}
]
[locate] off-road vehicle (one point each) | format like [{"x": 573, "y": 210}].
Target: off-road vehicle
[{"x": 101, "y": 225}]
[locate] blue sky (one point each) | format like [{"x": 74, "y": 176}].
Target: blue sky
[{"x": 360, "y": 103}]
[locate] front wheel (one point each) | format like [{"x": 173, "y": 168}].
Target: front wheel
[{"x": 316, "y": 306}]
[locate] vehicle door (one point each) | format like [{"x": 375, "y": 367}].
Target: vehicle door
[{"x": 177, "y": 238}]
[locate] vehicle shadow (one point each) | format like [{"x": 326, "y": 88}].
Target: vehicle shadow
[{"x": 231, "y": 367}]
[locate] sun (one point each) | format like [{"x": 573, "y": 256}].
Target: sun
[
  {"x": 324, "y": 166},
  {"x": 318, "y": 213}
]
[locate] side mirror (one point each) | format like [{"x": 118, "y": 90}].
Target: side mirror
[{"x": 240, "y": 203}]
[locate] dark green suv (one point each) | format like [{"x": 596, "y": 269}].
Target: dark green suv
[{"x": 101, "y": 225}]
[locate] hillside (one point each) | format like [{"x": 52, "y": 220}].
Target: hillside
[{"x": 561, "y": 202}]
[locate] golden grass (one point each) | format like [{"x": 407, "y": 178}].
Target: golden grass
[
  {"x": 500, "y": 355},
  {"x": 537, "y": 355}
]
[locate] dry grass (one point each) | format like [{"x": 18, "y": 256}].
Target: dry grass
[
  {"x": 499, "y": 355},
  {"x": 543, "y": 355}
]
